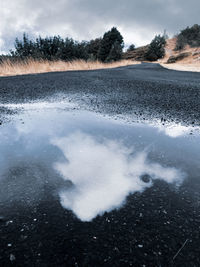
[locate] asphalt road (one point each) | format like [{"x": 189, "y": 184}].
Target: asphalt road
[
  {"x": 160, "y": 227},
  {"x": 145, "y": 91}
]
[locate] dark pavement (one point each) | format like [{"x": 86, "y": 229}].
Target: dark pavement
[
  {"x": 157, "y": 228},
  {"x": 145, "y": 91}
]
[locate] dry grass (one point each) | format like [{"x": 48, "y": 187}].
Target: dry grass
[{"x": 9, "y": 68}]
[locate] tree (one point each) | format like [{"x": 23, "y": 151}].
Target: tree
[
  {"x": 109, "y": 39},
  {"x": 131, "y": 48},
  {"x": 93, "y": 47},
  {"x": 24, "y": 48},
  {"x": 115, "y": 52},
  {"x": 66, "y": 49},
  {"x": 81, "y": 50},
  {"x": 55, "y": 48},
  {"x": 156, "y": 48},
  {"x": 50, "y": 48}
]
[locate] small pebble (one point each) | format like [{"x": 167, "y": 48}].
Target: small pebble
[
  {"x": 12, "y": 257},
  {"x": 146, "y": 178}
]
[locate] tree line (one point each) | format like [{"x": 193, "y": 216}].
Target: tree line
[{"x": 107, "y": 48}]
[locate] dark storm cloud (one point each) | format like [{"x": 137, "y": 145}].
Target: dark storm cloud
[{"x": 138, "y": 20}]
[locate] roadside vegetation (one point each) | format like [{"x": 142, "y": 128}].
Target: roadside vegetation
[
  {"x": 58, "y": 54},
  {"x": 106, "y": 49},
  {"x": 152, "y": 52},
  {"x": 189, "y": 36},
  {"x": 182, "y": 52}
]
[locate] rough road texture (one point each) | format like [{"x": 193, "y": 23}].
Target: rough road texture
[
  {"x": 151, "y": 228},
  {"x": 146, "y": 91}
]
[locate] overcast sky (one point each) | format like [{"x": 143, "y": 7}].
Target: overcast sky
[{"x": 138, "y": 20}]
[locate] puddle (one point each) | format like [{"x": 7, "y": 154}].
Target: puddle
[{"x": 89, "y": 162}]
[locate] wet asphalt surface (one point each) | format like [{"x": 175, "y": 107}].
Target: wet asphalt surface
[
  {"x": 151, "y": 227},
  {"x": 145, "y": 91}
]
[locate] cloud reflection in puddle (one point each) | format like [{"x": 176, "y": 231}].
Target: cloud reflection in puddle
[
  {"x": 176, "y": 130},
  {"x": 104, "y": 174}
]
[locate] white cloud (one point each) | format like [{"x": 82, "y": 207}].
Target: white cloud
[{"x": 139, "y": 20}]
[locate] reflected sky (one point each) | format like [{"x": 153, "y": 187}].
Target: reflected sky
[
  {"x": 176, "y": 130},
  {"x": 92, "y": 163}
]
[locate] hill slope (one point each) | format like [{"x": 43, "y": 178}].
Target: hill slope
[
  {"x": 137, "y": 54},
  {"x": 187, "y": 59}
]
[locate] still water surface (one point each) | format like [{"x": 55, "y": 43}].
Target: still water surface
[{"x": 91, "y": 163}]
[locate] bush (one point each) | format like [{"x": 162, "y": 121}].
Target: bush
[
  {"x": 156, "y": 48},
  {"x": 189, "y": 36}
]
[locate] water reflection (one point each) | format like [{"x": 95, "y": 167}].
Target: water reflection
[
  {"x": 91, "y": 162},
  {"x": 176, "y": 130},
  {"x": 104, "y": 173}
]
